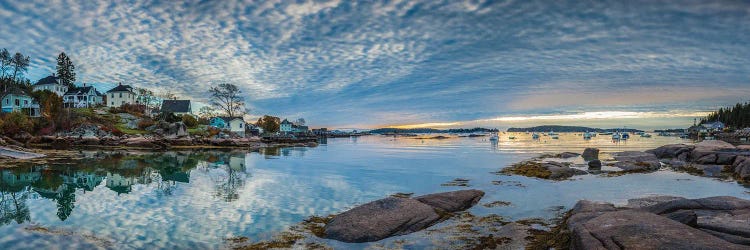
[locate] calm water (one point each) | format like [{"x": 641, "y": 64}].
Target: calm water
[{"x": 197, "y": 199}]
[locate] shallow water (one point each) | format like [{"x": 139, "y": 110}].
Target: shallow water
[{"x": 198, "y": 199}]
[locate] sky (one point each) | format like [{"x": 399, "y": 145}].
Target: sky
[{"x": 366, "y": 64}]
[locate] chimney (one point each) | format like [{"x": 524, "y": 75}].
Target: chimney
[{"x": 119, "y": 84}]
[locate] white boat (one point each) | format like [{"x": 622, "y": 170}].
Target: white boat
[
  {"x": 552, "y": 133},
  {"x": 535, "y": 136},
  {"x": 616, "y": 136},
  {"x": 494, "y": 137},
  {"x": 644, "y": 135}
]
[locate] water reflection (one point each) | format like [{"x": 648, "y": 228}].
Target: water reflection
[
  {"x": 119, "y": 172},
  {"x": 194, "y": 200}
]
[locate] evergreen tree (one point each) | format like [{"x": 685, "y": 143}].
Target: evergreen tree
[
  {"x": 20, "y": 64},
  {"x": 735, "y": 117},
  {"x": 66, "y": 70}
]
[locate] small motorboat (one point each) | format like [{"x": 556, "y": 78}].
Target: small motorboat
[
  {"x": 616, "y": 136},
  {"x": 512, "y": 137},
  {"x": 535, "y": 136},
  {"x": 555, "y": 137},
  {"x": 644, "y": 135}
]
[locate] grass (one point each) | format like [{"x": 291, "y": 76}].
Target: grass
[{"x": 128, "y": 131}]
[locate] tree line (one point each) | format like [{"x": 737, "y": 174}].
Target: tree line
[{"x": 735, "y": 117}]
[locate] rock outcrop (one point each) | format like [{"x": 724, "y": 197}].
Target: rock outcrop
[
  {"x": 636, "y": 161},
  {"x": 394, "y": 216},
  {"x": 661, "y": 223},
  {"x": 709, "y": 158},
  {"x": 545, "y": 170},
  {"x": 590, "y": 154}
]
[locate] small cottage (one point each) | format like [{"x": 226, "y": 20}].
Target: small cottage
[
  {"x": 120, "y": 95},
  {"x": 286, "y": 127},
  {"x": 18, "y": 101},
  {"x": 233, "y": 124}
]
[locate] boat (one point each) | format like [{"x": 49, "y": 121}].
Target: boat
[
  {"x": 512, "y": 137},
  {"x": 625, "y": 136},
  {"x": 535, "y": 136},
  {"x": 587, "y": 136},
  {"x": 606, "y": 133},
  {"x": 494, "y": 137},
  {"x": 555, "y": 137},
  {"x": 552, "y": 133},
  {"x": 616, "y": 136},
  {"x": 644, "y": 135}
]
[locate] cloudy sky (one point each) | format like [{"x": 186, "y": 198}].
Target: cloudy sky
[{"x": 414, "y": 63}]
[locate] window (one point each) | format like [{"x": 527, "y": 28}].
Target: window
[
  {"x": 120, "y": 95},
  {"x": 113, "y": 96},
  {"x": 240, "y": 125},
  {"x": 18, "y": 102},
  {"x": 25, "y": 102},
  {"x": 113, "y": 103}
]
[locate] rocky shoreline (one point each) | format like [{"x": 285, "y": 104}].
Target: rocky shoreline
[
  {"x": 655, "y": 222},
  {"x": 707, "y": 158}
]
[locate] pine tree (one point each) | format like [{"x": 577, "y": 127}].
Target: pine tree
[{"x": 66, "y": 70}]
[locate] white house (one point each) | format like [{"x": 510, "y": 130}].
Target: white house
[
  {"x": 83, "y": 97},
  {"x": 715, "y": 126},
  {"x": 17, "y": 101},
  {"x": 120, "y": 95},
  {"x": 286, "y": 127},
  {"x": 233, "y": 124},
  {"x": 51, "y": 83}
]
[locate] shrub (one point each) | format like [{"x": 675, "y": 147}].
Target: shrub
[
  {"x": 16, "y": 122},
  {"x": 145, "y": 123},
  {"x": 133, "y": 109},
  {"x": 189, "y": 121}
]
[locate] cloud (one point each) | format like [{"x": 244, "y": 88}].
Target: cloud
[{"x": 345, "y": 63}]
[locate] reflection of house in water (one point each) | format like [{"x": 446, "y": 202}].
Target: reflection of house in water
[
  {"x": 123, "y": 184},
  {"x": 11, "y": 180},
  {"x": 83, "y": 180}
]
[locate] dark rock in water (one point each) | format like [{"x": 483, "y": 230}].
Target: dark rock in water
[
  {"x": 546, "y": 170},
  {"x": 452, "y": 201},
  {"x": 568, "y": 155},
  {"x": 394, "y": 216},
  {"x": 595, "y": 165},
  {"x": 381, "y": 219},
  {"x": 590, "y": 154},
  {"x": 707, "y": 159},
  {"x": 637, "y": 161},
  {"x": 661, "y": 222},
  {"x": 671, "y": 151}
]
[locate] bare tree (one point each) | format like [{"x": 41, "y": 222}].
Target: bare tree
[{"x": 227, "y": 97}]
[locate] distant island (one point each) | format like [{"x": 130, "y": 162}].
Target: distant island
[
  {"x": 558, "y": 128},
  {"x": 430, "y": 130}
]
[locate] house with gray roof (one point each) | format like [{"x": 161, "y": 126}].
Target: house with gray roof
[{"x": 177, "y": 107}]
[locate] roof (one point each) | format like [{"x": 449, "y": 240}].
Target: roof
[
  {"x": 121, "y": 88},
  {"x": 78, "y": 90},
  {"x": 48, "y": 80},
  {"x": 286, "y": 122},
  {"x": 14, "y": 91},
  {"x": 175, "y": 106}
]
